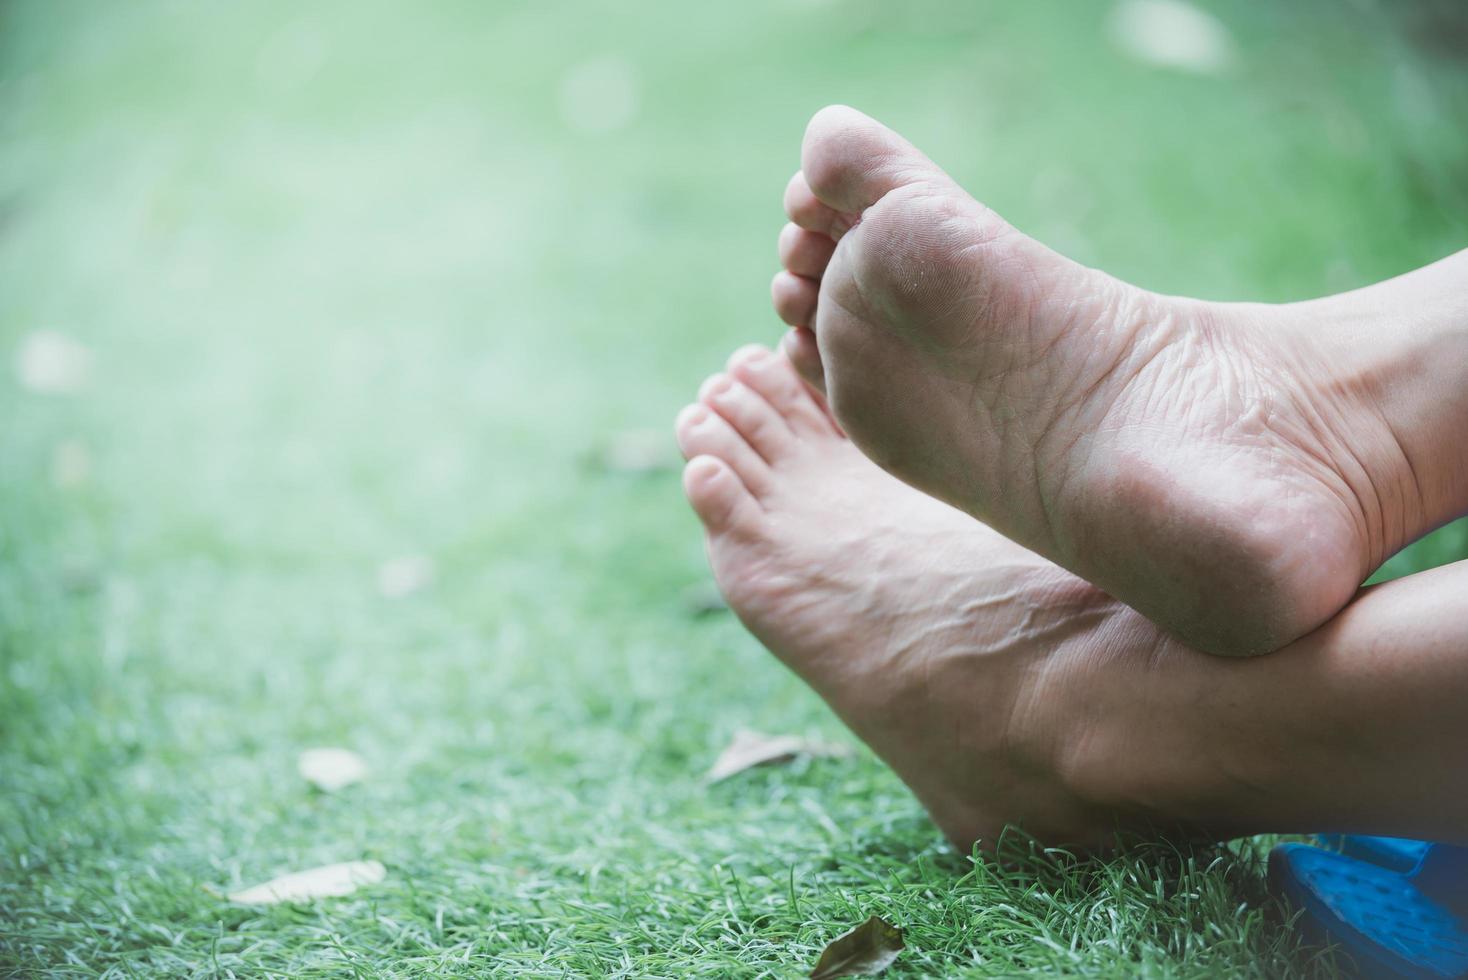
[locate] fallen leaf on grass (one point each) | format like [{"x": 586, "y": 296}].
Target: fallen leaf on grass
[
  {"x": 328, "y": 881},
  {"x": 52, "y": 363},
  {"x": 703, "y": 599},
  {"x": 80, "y": 577},
  {"x": 331, "y": 769},
  {"x": 71, "y": 464},
  {"x": 1172, "y": 34},
  {"x": 749, "y": 749},
  {"x": 637, "y": 451},
  {"x": 600, "y": 95},
  {"x": 398, "y": 578},
  {"x": 863, "y": 952}
]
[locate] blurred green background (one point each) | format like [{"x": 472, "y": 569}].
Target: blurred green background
[{"x": 341, "y": 346}]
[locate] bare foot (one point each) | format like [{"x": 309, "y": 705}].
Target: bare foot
[
  {"x": 1228, "y": 470},
  {"x": 987, "y": 677}
]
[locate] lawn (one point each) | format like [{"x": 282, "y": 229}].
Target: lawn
[{"x": 289, "y": 292}]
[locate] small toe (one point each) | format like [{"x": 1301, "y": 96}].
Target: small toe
[
  {"x": 806, "y": 210},
  {"x": 753, "y": 418},
  {"x": 704, "y": 432},
  {"x": 745, "y": 355},
  {"x": 794, "y": 298},
  {"x": 804, "y": 253},
  {"x": 800, "y": 347},
  {"x": 773, "y": 377},
  {"x": 850, "y": 161},
  {"x": 719, "y": 497}
]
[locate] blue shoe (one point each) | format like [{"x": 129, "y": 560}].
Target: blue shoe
[{"x": 1411, "y": 925}]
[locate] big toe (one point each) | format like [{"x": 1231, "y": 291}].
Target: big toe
[
  {"x": 800, "y": 348},
  {"x": 851, "y": 161},
  {"x": 719, "y": 497}
]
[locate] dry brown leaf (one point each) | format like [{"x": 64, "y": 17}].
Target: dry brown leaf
[
  {"x": 749, "y": 749},
  {"x": 863, "y": 952},
  {"x": 328, "y": 881},
  {"x": 600, "y": 95},
  {"x": 1172, "y": 34},
  {"x": 71, "y": 464},
  {"x": 703, "y": 599},
  {"x": 50, "y": 362},
  {"x": 331, "y": 769},
  {"x": 398, "y": 578},
  {"x": 638, "y": 451}
]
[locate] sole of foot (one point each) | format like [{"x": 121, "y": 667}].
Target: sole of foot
[{"x": 1222, "y": 468}]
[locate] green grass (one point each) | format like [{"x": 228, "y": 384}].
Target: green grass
[{"x": 354, "y": 289}]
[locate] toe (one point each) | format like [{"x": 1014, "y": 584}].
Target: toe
[
  {"x": 704, "y": 432},
  {"x": 718, "y": 496},
  {"x": 805, "y": 253},
  {"x": 794, "y": 298},
  {"x": 748, "y": 354},
  {"x": 753, "y": 418},
  {"x": 850, "y": 160},
  {"x": 773, "y": 377},
  {"x": 800, "y": 348},
  {"x": 807, "y": 211}
]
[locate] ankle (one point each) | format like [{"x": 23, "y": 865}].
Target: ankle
[
  {"x": 1401, "y": 348},
  {"x": 1108, "y": 756}
]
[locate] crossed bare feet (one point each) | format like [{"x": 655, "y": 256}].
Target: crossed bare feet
[
  {"x": 1005, "y": 690},
  {"x": 1225, "y": 475},
  {"x": 1231, "y": 471}
]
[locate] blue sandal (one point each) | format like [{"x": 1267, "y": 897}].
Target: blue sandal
[
  {"x": 1395, "y": 853},
  {"x": 1398, "y": 908}
]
